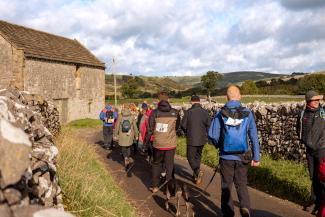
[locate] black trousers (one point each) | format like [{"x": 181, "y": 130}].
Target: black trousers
[
  {"x": 317, "y": 188},
  {"x": 194, "y": 154},
  {"x": 108, "y": 136},
  {"x": 232, "y": 171},
  {"x": 162, "y": 159},
  {"x": 126, "y": 151}
]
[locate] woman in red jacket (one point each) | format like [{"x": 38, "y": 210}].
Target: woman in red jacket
[{"x": 321, "y": 212}]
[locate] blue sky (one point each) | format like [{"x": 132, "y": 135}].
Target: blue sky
[{"x": 175, "y": 37}]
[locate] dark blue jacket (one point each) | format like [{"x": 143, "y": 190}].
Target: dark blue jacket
[
  {"x": 102, "y": 116},
  {"x": 215, "y": 131}
]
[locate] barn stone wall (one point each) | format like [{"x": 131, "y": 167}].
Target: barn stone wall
[
  {"x": 78, "y": 92},
  {"x": 6, "y": 60}
]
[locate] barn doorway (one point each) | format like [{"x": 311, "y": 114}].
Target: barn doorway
[{"x": 62, "y": 105}]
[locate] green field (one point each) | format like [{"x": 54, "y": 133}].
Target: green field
[{"x": 219, "y": 99}]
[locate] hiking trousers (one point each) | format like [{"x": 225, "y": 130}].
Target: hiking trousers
[
  {"x": 126, "y": 151},
  {"x": 318, "y": 189},
  {"x": 108, "y": 136},
  {"x": 194, "y": 154},
  {"x": 232, "y": 171},
  {"x": 162, "y": 159}
]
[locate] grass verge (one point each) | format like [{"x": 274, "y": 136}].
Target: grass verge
[
  {"x": 85, "y": 123},
  {"x": 88, "y": 188},
  {"x": 281, "y": 178}
]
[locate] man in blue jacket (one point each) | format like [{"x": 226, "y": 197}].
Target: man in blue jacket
[
  {"x": 109, "y": 117},
  {"x": 229, "y": 131}
]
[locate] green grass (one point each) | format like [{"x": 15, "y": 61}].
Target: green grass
[
  {"x": 185, "y": 99},
  {"x": 285, "y": 179},
  {"x": 85, "y": 123},
  {"x": 89, "y": 190},
  {"x": 266, "y": 99},
  {"x": 219, "y": 99}
]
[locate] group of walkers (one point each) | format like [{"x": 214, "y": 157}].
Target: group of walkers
[{"x": 232, "y": 130}]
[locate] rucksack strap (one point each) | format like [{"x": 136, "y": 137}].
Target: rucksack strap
[
  {"x": 235, "y": 113},
  {"x": 322, "y": 113}
]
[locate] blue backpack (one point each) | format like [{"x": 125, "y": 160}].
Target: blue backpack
[{"x": 234, "y": 129}]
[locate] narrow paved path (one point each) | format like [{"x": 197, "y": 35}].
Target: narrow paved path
[{"x": 206, "y": 205}]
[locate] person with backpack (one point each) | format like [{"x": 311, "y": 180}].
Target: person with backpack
[
  {"x": 196, "y": 123},
  {"x": 162, "y": 126},
  {"x": 230, "y": 131},
  {"x": 109, "y": 117},
  {"x": 140, "y": 121},
  {"x": 125, "y": 133},
  {"x": 147, "y": 148},
  {"x": 311, "y": 131}
]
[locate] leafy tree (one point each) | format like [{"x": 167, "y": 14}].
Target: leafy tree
[
  {"x": 129, "y": 88},
  {"x": 261, "y": 83},
  {"x": 210, "y": 81},
  {"x": 249, "y": 87},
  {"x": 312, "y": 82}
]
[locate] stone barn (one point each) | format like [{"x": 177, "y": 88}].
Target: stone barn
[{"x": 58, "y": 68}]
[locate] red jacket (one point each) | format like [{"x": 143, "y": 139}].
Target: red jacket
[
  {"x": 144, "y": 125},
  {"x": 321, "y": 212}
]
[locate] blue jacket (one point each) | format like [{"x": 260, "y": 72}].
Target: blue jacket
[
  {"x": 102, "y": 116},
  {"x": 215, "y": 131}
]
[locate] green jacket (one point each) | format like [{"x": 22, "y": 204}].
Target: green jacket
[{"x": 126, "y": 138}]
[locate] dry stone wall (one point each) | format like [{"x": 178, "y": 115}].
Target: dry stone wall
[
  {"x": 276, "y": 124},
  {"x": 28, "y": 180}
]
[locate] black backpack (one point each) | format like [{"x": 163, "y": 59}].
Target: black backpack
[
  {"x": 109, "y": 117},
  {"x": 126, "y": 126}
]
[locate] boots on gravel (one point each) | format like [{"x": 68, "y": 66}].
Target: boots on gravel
[
  {"x": 128, "y": 163},
  {"x": 109, "y": 152},
  {"x": 198, "y": 177},
  {"x": 154, "y": 189},
  {"x": 244, "y": 212}
]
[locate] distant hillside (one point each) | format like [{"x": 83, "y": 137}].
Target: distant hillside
[
  {"x": 239, "y": 77},
  {"x": 145, "y": 84},
  {"x": 180, "y": 83},
  {"x": 228, "y": 78}
]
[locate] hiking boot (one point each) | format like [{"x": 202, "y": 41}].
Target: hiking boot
[
  {"x": 244, "y": 212},
  {"x": 109, "y": 152},
  {"x": 163, "y": 178},
  {"x": 199, "y": 178},
  {"x": 154, "y": 189},
  {"x": 126, "y": 162}
]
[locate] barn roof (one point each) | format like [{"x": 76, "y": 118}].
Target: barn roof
[{"x": 42, "y": 45}]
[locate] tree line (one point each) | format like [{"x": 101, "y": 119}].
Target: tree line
[{"x": 209, "y": 86}]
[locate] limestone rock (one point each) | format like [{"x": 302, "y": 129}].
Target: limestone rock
[
  {"x": 5, "y": 210},
  {"x": 12, "y": 196},
  {"x": 14, "y": 151}
]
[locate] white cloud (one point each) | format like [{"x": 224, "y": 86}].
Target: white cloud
[{"x": 185, "y": 37}]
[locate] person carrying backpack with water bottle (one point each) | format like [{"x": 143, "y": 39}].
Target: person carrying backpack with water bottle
[
  {"x": 311, "y": 131},
  {"x": 108, "y": 116},
  {"x": 126, "y": 133},
  {"x": 230, "y": 130}
]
